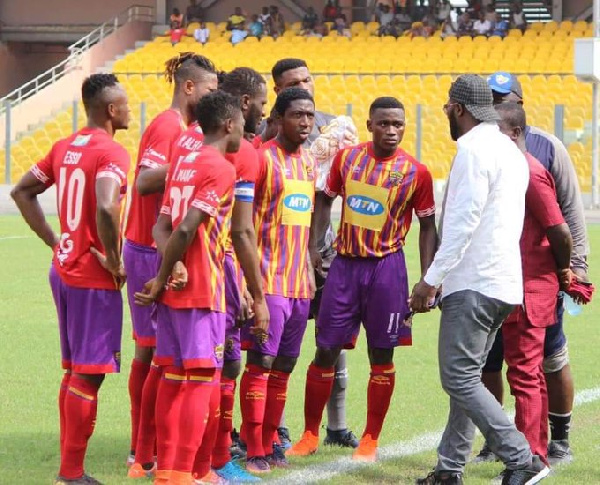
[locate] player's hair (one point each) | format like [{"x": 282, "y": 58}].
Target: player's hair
[
  {"x": 513, "y": 114},
  {"x": 240, "y": 81},
  {"x": 94, "y": 85},
  {"x": 385, "y": 102},
  {"x": 178, "y": 69},
  {"x": 215, "y": 108},
  {"x": 287, "y": 96},
  {"x": 284, "y": 65}
]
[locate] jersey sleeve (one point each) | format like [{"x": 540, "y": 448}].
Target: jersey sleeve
[
  {"x": 247, "y": 168},
  {"x": 333, "y": 186},
  {"x": 158, "y": 151},
  {"x": 43, "y": 170},
  {"x": 540, "y": 199},
  {"x": 214, "y": 183},
  {"x": 114, "y": 165},
  {"x": 423, "y": 200}
]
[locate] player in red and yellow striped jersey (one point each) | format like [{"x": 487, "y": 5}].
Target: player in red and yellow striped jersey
[
  {"x": 380, "y": 185},
  {"x": 283, "y": 206},
  {"x": 190, "y": 234},
  {"x": 193, "y": 76}
]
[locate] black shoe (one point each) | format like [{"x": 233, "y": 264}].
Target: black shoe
[
  {"x": 277, "y": 459},
  {"x": 559, "y": 452},
  {"x": 441, "y": 478},
  {"x": 534, "y": 473},
  {"x": 485, "y": 455},
  {"x": 344, "y": 438},
  {"x": 238, "y": 447},
  {"x": 284, "y": 437},
  {"x": 84, "y": 480}
]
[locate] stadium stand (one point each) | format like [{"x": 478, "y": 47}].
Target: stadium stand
[{"x": 351, "y": 72}]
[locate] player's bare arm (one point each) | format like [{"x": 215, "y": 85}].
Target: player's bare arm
[
  {"x": 561, "y": 244},
  {"x": 427, "y": 241},
  {"x": 108, "y": 217},
  {"x": 25, "y": 194},
  {"x": 318, "y": 227},
  {"x": 152, "y": 180},
  {"x": 174, "y": 250},
  {"x": 161, "y": 232},
  {"x": 243, "y": 237}
]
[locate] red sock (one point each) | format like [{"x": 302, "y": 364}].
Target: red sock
[
  {"x": 137, "y": 377},
  {"x": 168, "y": 411},
  {"x": 81, "y": 407},
  {"x": 203, "y": 456},
  {"x": 379, "y": 395},
  {"x": 253, "y": 398},
  {"x": 61, "y": 406},
  {"x": 145, "y": 448},
  {"x": 194, "y": 416},
  {"x": 276, "y": 397},
  {"x": 220, "y": 454},
  {"x": 319, "y": 382}
]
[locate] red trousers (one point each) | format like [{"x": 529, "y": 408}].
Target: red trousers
[{"x": 524, "y": 355}]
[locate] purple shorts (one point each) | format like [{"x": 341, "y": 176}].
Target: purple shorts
[
  {"x": 373, "y": 291},
  {"x": 289, "y": 317},
  {"x": 191, "y": 338},
  {"x": 90, "y": 323},
  {"x": 233, "y": 305},
  {"x": 140, "y": 265}
]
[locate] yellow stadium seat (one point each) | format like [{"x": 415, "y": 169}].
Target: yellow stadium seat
[
  {"x": 551, "y": 26},
  {"x": 192, "y": 26},
  {"x": 536, "y": 26},
  {"x": 372, "y": 27},
  {"x": 515, "y": 33}
]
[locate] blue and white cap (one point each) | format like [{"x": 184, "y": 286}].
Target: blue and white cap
[{"x": 505, "y": 83}]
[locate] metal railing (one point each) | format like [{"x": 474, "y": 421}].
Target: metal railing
[{"x": 72, "y": 62}]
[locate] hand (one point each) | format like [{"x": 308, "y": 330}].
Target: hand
[
  {"x": 421, "y": 297},
  {"x": 113, "y": 267},
  {"x": 260, "y": 330},
  {"x": 246, "y": 311},
  {"x": 152, "y": 290},
  {"x": 312, "y": 284},
  {"x": 564, "y": 278},
  {"x": 179, "y": 277},
  {"x": 316, "y": 261},
  {"x": 580, "y": 275}
]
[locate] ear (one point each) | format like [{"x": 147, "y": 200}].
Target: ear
[
  {"x": 369, "y": 126},
  {"x": 228, "y": 125},
  {"x": 276, "y": 89},
  {"x": 188, "y": 87},
  {"x": 245, "y": 102},
  {"x": 111, "y": 110},
  {"x": 460, "y": 109}
]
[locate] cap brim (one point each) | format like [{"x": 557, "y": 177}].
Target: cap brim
[
  {"x": 483, "y": 113},
  {"x": 499, "y": 90}
]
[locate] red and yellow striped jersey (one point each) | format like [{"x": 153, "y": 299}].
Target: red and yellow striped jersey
[
  {"x": 283, "y": 205},
  {"x": 378, "y": 197},
  {"x": 203, "y": 180}
]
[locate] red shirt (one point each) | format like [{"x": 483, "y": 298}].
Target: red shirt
[
  {"x": 257, "y": 141},
  {"x": 539, "y": 267},
  {"x": 176, "y": 35},
  {"x": 245, "y": 162},
  {"x": 203, "y": 180},
  {"x": 74, "y": 164},
  {"x": 378, "y": 198},
  {"x": 155, "y": 150}
]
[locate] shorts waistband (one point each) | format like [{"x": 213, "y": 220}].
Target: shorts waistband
[{"x": 140, "y": 247}]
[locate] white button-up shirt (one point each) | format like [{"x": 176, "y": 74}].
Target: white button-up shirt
[{"x": 483, "y": 218}]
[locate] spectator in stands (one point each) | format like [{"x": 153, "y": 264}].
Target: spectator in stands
[
  {"x": 417, "y": 29},
  {"x": 465, "y": 25},
  {"x": 310, "y": 19},
  {"x": 443, "y": 11},
  {"x": 202, "y": 34},
  {"x": 341, "y": 26},
  {"x": 383, "y": 15},
  {"x": 256, "y": 27},
  {"x": 277, "y": 22},
  {"x": 176, "y": 32},
  {"x": 194, "y": 12},
  {"x": 449, "y": 27},
  {"x": 500, "y": 27},
  {"x": 474, "y": 7},
  {"x": 320, "y": 31},
  {"x": 265, "y": 20},
  {"x": 490, "y": 13},
  {"x": 331, "y": 11},
  {"x": 237, "y": 21},
  {"x": 176, "y": 16},
  {"x": 517, "y": 18},
  {"x": 482, "y": 26}
]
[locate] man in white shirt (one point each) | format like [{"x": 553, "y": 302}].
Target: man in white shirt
[
  {"x": 482, "y": 26},
  {"x": 479, "y": 265}
]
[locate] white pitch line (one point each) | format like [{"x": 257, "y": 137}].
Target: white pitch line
[
  {"x": 419, "y": 444},
  {"x": 6, "y": 238}
]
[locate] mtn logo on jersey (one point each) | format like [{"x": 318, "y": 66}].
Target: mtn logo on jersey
[
  {"x": 81, "y": 140},
  {"x": 364, "y": 205},
  {"x": 298, "y": 202}
]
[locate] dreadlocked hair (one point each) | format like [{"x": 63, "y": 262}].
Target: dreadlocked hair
[
  {"x": 177, "y": 69},
  {"x": 240, "y": 81}
]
